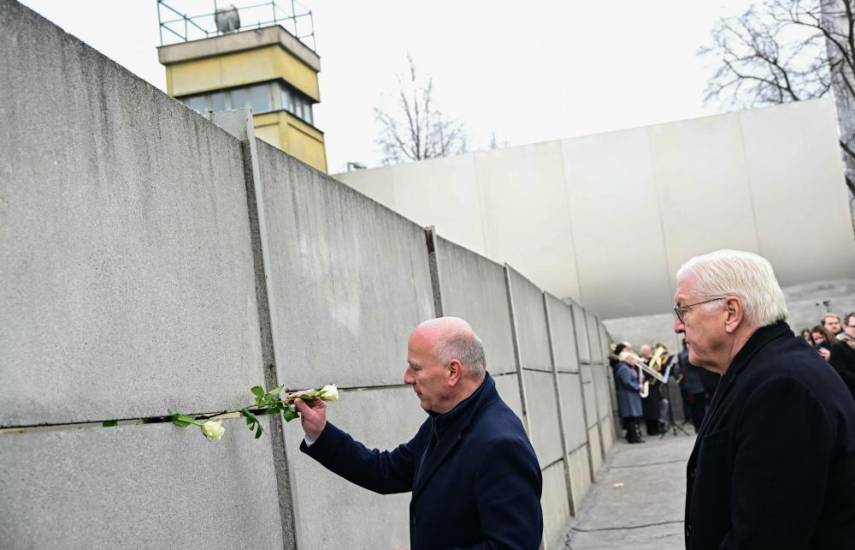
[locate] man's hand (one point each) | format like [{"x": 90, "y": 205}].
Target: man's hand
[
  {"x": 313, "y": 417},
  {"x": 825, "y": 353}
]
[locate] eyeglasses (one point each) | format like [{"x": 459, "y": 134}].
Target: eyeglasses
[{"x": 680, "y": 311}]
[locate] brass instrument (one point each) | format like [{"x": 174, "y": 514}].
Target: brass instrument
[{"x": 659, "y": 361}]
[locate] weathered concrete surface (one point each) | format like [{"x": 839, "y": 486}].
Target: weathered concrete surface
[
  {"x": 332, "y": 512},
  {"x": 125, "y": 255},
  {"x": 580, "y": 325},
  {"x": 531, "y": 323},
  {"x": 151, "y": 486},
  {"x": 637, "y": 503},
  {"x": 473, "y": 288},
  {"x": 571, "y": 407},
  {"x": 349, "y": 278},
  {"x": 586, "y": 373},
  {"x": 543, "y": 416},
  {"x": 563, "y": 335},
  {"x": 580, "y": 473},
  {"x": 554, "y": 502},
  {"x": 596, "y": 449},
  {"x": 597, "y": 355}
]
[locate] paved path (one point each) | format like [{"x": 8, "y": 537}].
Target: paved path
[{"x": 637, "y": 502}]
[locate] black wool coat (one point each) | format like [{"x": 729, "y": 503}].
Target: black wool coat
[
  {"x": 475, "y": 479},
  {"x": 774, "y": 463}
]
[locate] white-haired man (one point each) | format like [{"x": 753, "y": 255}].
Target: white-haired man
[{"x": 774, "y": 463}]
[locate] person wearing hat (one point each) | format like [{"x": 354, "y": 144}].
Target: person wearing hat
[{"x": 628, "y": 387}]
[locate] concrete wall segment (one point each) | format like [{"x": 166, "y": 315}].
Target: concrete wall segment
[
  {"x": 446, "y": 196},
  {"x": 547, "y": 247},
  {"x": 136, "y": 487},
  {"x": 621, "y": 216},
  {"x": 473, "y": 288},
  {"x": 556, "y": 507},
  {"x": 543, "y": 414},
  {"x": 125, "y": 259},
  {"x": 580, "y": 328},
  {"x": 597, "y": 355},
  {"x": 333, "y": 513},
  {"x": 350, "y": 278},
  {"x": 700, "y": 166},
  {"x": 563, "y": 335},
  {"x": 531, "y": 323},
  {"x": 803, "y": 130},
  {"x": 580, "y": 474},
  {"x": 572, "y": 409}
]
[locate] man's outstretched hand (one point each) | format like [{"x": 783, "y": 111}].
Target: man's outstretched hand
[{"x": 313, "y": 417}]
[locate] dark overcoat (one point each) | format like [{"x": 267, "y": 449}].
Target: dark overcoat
[
  {"x": 475, "y": 479},
  {"x": 774, "y": 463},
  {"x": 627, "y": 387}
]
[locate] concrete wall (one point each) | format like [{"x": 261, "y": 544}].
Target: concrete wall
[
  {"x": 127, "y": 290},
  {"x": 153, "y": 262},
  {"x": 608, "y": 219}
]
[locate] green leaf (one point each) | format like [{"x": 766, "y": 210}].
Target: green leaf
[
  {"x": 182, "y": 420},
  {"x": 257, "y": 391},
  {"x": 290, "y": 414},
  {"x": 109, "y": 423},
  {"x": 259, "y": 430},
  {"x": 275, "y": 391}
]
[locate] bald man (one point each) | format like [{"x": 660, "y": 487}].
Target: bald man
[{"x": 474, "y": 477}]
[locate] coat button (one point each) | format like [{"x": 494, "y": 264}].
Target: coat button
[
  {"x": 413, "y": 521},
  {"x": 689, "y": 530}
]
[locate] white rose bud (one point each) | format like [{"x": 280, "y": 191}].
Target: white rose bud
[
  {"x": 329, "y": 393},
  {"x": 213, "y": 430}
]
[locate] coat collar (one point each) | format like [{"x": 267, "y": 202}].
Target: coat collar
[
  {"x": 449, "y": 429},
  {"x": 755, "y": 343}
]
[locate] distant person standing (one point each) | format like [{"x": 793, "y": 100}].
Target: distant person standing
[
  {"x": 831, "y": 323},
  {"x": 696, "y": 395},
  {"x": 822, "y": 339},
  {"x": 651, "y": 404},
  {"x": 628, "y": 387},
  {"x": 773, "y": 467}
]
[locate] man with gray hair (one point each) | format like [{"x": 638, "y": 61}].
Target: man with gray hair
[
  {"x": 774, "y": 462},
  {"x": 475, "y": 479}
]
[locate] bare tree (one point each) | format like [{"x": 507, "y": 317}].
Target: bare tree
[
  {"x": 416, "y": 129},
  {"x": 780, "y": 51}
]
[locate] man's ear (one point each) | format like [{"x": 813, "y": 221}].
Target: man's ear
[
  {"x": 455, "y": 372},
  {"x": 734, "y": 314}
]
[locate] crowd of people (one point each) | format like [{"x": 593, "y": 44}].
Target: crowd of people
[
  {"x": 835, "y": 342},
  {"x": 642, "y": 400},
  {"x": 642, "y": 397}
]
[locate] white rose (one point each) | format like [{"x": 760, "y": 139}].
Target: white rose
[
  {"x": 213, "y": 430},
  {"x": 329, "y": 393}
]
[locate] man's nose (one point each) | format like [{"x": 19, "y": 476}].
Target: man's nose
[
  {"x": 408, "y": 377},
  {"x": 679, "y": 327}
]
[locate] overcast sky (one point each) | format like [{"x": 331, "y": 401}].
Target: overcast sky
[{"x": 529, "y": 71}]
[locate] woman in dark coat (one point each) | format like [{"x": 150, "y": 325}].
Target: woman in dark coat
[{"x": 629, "y": 400}]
